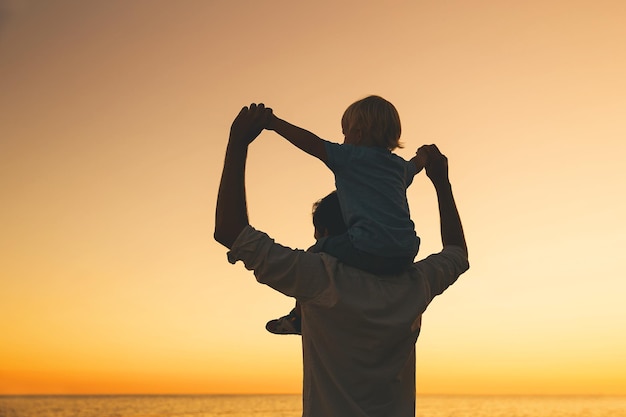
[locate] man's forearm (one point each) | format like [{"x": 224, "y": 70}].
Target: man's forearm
[
  {"x": 451, "y": 227},
  {"x": 301, "y": 138},
  {"x": 231, "y": 213}
]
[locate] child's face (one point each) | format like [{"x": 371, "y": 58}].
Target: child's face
[{"x": 350, "y": 136}]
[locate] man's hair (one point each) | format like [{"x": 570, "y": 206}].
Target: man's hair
[
  {"x": 377, "y": 119},
  {"x": 327, "y": 215}
]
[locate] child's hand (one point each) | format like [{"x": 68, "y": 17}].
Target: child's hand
[
  {"x": 271, "y": 120},
  {"x": 420, "y": 159}
]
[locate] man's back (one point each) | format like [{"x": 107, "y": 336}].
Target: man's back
[
  {"x": 359, "y": 337},
  {"x": 358, "y": 329}
]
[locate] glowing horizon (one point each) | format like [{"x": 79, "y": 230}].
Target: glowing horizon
[{"x": 114, "y": 118}]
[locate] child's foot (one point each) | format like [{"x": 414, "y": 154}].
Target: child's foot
[{"x": 289, "y": 324}]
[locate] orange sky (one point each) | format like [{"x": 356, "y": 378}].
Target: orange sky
[{"x": 114, "y": 118}]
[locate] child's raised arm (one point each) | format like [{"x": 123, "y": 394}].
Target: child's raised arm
[
  {"x": 419, "y": 160},
  {"x": 303, "y": 139}
]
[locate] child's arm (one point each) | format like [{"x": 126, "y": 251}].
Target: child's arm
[
  {"x": 419, "y": 160},
  {"x": 303, "y": 139}
]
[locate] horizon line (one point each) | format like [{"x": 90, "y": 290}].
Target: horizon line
[{"x": 279, "y": 394}]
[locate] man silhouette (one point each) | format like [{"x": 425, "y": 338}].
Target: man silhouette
[{"x": 358, "y": 329}]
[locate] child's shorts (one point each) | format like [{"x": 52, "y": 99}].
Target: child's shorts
[{"x": 341, "y": 248}]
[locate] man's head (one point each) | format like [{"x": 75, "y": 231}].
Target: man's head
[
  {"x": 327, "y": 218},
  {"x": 372, "y": 121}
]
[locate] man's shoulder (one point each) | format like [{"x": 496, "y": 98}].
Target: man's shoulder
[
  {"x": 451, "y": 253},
  {"x": 248, "y": 236},
  {"x": 444, "y": 267},
  {"x": 454, "y": 250}
]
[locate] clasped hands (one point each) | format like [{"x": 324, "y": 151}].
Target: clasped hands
[{"x": 249, "y": 123}]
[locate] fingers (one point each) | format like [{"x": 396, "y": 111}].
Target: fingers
[
  {"x": 260, "y": 108},
  {"x": 424, "y": 154},
  {"x": 257, "y": 113},
  {"x": 429, "y": 153},
  {"x": 420, "y": 160}
]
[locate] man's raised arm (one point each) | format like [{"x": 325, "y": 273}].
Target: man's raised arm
[
  {"x": 231, "y": 213},
  {"x": 437, "y": 170}
]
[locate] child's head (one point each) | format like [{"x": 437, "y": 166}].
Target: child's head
[{"x": 372, "y": 121}]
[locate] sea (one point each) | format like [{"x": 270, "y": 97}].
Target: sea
[{"x": 290, "y": 406}]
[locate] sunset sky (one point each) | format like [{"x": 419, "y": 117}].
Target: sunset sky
[{"x": 114, "y": 119}]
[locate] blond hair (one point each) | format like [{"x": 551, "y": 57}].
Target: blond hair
[{"x": 377, "y": 119}]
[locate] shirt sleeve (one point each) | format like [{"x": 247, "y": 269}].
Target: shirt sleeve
[
  {"x": 337, "y": 156},
  {"x": 293, "y": 272},
  {"x": 443, "y": 269}
]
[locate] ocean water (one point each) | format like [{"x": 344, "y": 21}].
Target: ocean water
[{"x": 290, "y": 406}]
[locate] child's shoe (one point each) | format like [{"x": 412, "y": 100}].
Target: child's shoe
[{"x": 289, "y": 324}]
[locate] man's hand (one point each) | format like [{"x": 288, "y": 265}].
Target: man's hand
[
  {"x": 435, "y": 162},
  {"x": 436, "y": 165},
  {"x": 249, "y": 123}
]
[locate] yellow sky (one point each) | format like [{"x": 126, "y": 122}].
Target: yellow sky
[{"x": 114, "y": 118}]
